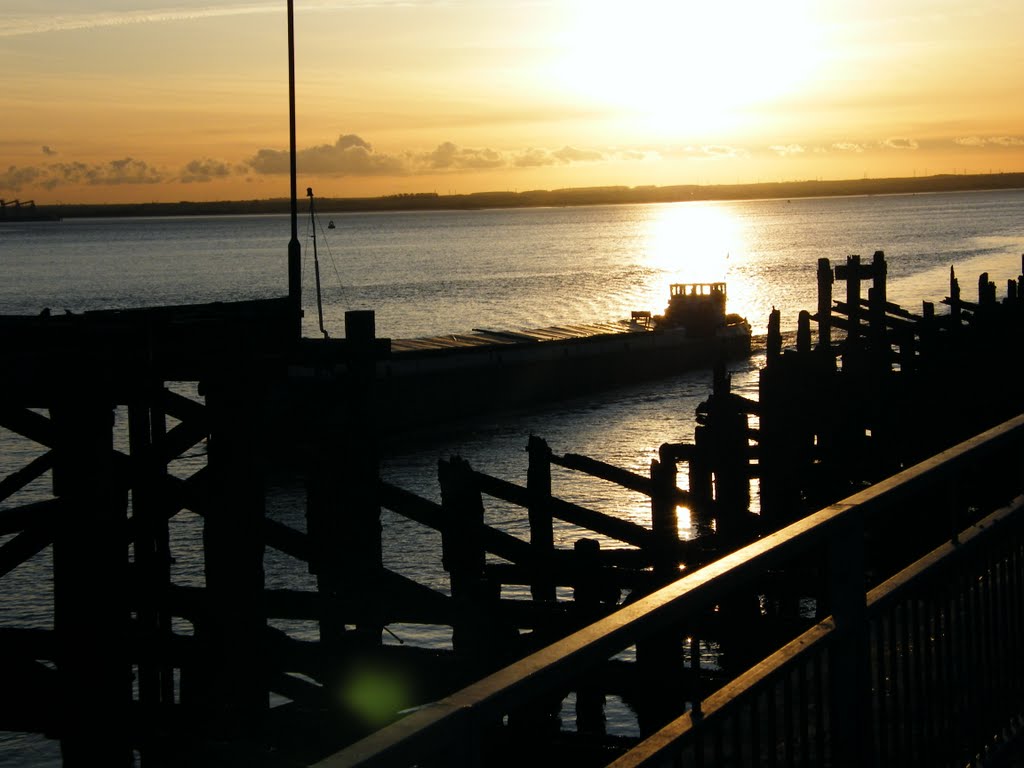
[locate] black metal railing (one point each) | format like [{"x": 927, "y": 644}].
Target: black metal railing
[{"x": 915, "y": 661}]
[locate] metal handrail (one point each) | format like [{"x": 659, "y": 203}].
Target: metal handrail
[{"x": 452, "y": 721}]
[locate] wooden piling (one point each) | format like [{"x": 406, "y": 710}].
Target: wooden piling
[
  {"x": 90, "y": 583},
  {"x": 463, "y": 554},
  {"x": 230, "y": 686},
  {"x": 825, "y": 281},
  {"x": 664, "y": 520},
  {"x": 852, "y": 276},
  {"x": 542, "y": 537}
]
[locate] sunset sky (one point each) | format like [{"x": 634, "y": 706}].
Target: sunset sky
[{"x": 140, "y": 100}]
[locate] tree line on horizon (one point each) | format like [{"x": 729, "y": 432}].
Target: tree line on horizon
[{"x": 608, "y": 195}]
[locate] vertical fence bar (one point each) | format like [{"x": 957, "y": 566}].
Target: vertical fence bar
[
  {"x": 848, "y": 674},
  {"x": 882, "y": 708}
]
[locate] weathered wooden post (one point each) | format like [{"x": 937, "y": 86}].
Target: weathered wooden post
[
  {"x": 587, "y": 593},
  {"x": 774, "y": 342},
  {"x": 954, "y": 300},
  {"x": 825, "y": 282},
  {"x": 325, "y": 506},
  {"x": 803, "y": 332},
  {"x": 986, "y": 291},
  {"x": 90, "y": 578},
  {"x": 879, "y": 274},
  {"x": 852, "y": 276},
  {"x": 664, "y": 519},
  {"x": 721, "y": 438},
  {"x": 231, "y": 690},
  {"x": 463, "y": 553},
  {"x": 542, "y": 537},
  {"x": 359, "y": 525}
]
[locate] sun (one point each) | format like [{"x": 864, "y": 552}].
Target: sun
[{"x": 676, "y": 65}]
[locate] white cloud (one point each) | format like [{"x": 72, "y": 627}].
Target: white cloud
[
  {"x": 983, "y": 141},
  {"x": 785, "y": 150},
  {"x": 350, "y": 155},
  {"x": 899, "y": 143}
]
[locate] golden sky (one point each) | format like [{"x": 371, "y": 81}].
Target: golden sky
[{"x": 140, "y": 100}]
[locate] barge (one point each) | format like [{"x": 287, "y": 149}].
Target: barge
[{"x": 441, "y": 378}]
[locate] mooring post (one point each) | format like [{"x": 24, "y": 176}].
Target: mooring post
[
  {"x": 773, "y": 345},
  {"x": 726, "y": 432},
  {"x": 231, "y": 691},
  {"x": 986, "y": 291},
  {"x": 825, "y": 282},
  {"x": 587, "y": 593},
  {"x": 879, "y": 276},
  {"x": 954, "y": 300},
  {"x": 542, "y": 537},
  {"x": 358, "y": 519},
  {"x": 664, "y": 519},
  {"x": 803, "y": 332},
  {"x": 90, "y": 582},
  {"x": 852, "y": 274}
]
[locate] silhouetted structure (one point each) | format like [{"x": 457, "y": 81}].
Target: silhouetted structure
[{"x": 137, "y": 662}]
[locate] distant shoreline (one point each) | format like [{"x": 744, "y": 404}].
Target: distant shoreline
[{"x": 430, "y": 201}]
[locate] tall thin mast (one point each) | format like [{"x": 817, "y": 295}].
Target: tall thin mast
[{"x": 294, "y": 247}]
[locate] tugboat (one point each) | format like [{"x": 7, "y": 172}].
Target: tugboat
[{"x": 698, "y": 307}]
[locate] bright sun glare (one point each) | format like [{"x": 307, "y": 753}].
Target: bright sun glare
[{"x": 678, "y": 64}]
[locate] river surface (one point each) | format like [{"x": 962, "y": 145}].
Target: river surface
[{"x": 428, "y": 273}]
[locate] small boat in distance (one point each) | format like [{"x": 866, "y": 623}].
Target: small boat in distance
[{"x": 330, "y": 224}]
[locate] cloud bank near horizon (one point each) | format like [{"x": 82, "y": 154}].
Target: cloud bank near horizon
[{"x": 352, "y": 156}]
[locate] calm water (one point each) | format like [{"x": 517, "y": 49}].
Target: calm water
[{"x": 439, "y": 272}]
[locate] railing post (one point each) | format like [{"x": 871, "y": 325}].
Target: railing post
[{"x": 847, "y": 665}]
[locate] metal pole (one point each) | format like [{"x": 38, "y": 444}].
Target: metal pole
[{"x": 294, "y": 247}]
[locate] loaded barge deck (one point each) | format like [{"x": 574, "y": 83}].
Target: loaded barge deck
[{"x": 424, "y": 381}]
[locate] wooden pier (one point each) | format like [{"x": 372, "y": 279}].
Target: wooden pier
[{"x": 132, "y": 664}]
